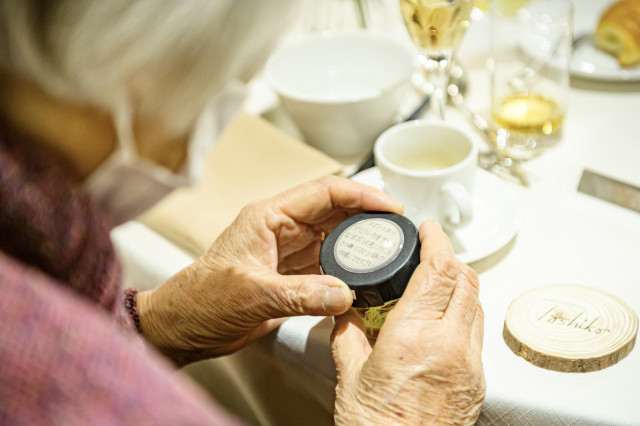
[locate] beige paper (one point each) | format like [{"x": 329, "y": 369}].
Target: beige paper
[{"x": 252, "y": 160}]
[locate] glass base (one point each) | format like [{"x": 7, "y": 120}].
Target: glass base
[{"x": 522, "y": 146}]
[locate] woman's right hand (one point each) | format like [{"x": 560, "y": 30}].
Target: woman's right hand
[{"x": 426, "y": 364}]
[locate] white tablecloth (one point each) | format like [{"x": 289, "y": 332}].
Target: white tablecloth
[{"x": 564, "y": 237}]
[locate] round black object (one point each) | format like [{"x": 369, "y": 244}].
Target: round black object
[{"x": 374, "y": 253}]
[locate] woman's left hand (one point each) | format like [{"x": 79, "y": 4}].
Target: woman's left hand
[{"x": 263, "y": 267}]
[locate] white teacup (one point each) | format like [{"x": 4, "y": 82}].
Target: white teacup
[{"x": 430, "y": 166}]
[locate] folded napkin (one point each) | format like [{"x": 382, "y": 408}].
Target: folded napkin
[{"x": 252, "y": 160}]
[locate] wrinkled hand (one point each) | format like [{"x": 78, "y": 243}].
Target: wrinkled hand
[
  {"x": 263, "y": 267},
  {"x": 425, "y": 367}
]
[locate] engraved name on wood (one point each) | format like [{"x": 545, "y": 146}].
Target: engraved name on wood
[{"x": 570, "y": 328}]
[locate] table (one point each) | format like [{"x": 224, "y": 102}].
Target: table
[{"x": 565, "y": 237}]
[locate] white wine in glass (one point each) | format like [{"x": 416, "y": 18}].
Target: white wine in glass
[
  {"x": 529, "y": 113},
  {"x": 437, "y": 27}
]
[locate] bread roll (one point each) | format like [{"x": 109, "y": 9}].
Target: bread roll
[{"x": 618, "y": 32}]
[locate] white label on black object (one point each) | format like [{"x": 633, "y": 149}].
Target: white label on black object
[{"x": 368, "y": 245}]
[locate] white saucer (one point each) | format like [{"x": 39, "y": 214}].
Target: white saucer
[{"x": 496, "y": 216}]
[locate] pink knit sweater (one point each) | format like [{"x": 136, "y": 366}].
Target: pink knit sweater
[{"x": 69, "y": 354}]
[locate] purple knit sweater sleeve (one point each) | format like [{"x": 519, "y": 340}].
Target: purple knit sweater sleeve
[
  {"x": 64, "y": 362},
  {"x": 68, "y": 352}
]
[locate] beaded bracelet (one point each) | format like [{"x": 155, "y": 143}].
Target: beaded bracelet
[{"x": 131, "y": 305}]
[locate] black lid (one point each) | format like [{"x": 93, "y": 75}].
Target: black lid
[{"x": 374, "y": 253}]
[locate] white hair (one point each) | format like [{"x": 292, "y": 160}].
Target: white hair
[{"x": 166, "y": 57}]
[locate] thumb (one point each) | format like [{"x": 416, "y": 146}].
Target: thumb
[
  {"x": 292, "y": 295},
  {"x": 350, "y": 347}
]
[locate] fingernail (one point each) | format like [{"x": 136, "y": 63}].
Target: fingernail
[{"x": 336, "y": 299}]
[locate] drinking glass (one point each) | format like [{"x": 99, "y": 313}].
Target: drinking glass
[
  {"x": 530, "y": 57},
  {"x": 436, "y": 28}
]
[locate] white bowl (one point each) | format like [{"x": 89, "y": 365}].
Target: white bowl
[{"x": 342, "y": 88}]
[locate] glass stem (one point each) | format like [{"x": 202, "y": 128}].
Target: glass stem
[{"x": 440, "y": 82}]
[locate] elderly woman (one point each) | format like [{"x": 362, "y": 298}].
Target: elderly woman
[{"x": 104, "y": 108}]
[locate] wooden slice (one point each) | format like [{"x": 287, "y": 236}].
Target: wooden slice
[{"x": 570, "y": 328}]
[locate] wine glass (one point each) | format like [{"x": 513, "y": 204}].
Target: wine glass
[
  {"x": 530, "y": 52},
  {"x": 436, "y": 27}
]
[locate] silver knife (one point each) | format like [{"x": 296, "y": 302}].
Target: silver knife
[{"x": 611, "y": 190}]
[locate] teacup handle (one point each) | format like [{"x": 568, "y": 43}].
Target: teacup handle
[{"x": 457, "y": 198}]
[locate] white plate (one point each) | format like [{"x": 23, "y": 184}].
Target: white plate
[
  {"x": 496, "y": 216},
  {"x": 589, "y": 61}
]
